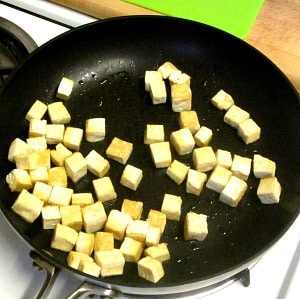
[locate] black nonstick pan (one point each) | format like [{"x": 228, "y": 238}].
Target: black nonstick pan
[{"x": 107, "y": 60}]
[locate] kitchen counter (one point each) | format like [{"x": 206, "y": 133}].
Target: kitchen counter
[{"x": 275, "y": 31}]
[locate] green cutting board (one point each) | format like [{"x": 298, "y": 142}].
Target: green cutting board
[{"x": 233, "y": 16}]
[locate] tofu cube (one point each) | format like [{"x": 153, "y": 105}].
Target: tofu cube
[
  {"x": 131, "y": 249},
  {"x": 37, "y": 128},
  {"x": 235, "y": 115},
  {"x": 51, "y": 216},
  {"x": 36, "y": 111},
  {"x": 171, "y": 206},
  {"x": 37, "y": 143},
  {"x": 43, "y": 158},
  {"x": 204, "y": 159},
  {"x": 57, "y": 176},
  {"x": 153, "y": 236},
  {"x": 18, "y": 179},
  {"x": 104, "y": 189},
  {"x": 131, "y": 177},
  {"x": 117, "y": 223},
  {"x": 40, "y": 174},
  {"x": 82, "y": 199},
  {"x": 195, "y": 181},
  {"x": 166, "y": 69},
  {"x": 248, "y": 131},
  {"x": 94, "y": 217},
  {"x": 222, "y": 100},
  {"x": 89, "y": 267},
  {"x": 73, "y": 138},
  {"x": 269, "y": 190},
  {"x": 58, "y": 113},
  {"x": 181, "y": 97},
  {"x": 150, "y": 269},
  {"x": 203, "y": 136},
  {"x": 263, "y": 167},
  {"x": 27, "y": 161},
  {"x": 17, "y": 146},
  {"x": 137, "y": 230},
  {"x": 71, "y": 216},
  {"x": 59, "y": 155},
  {"x": 233, "y": 191},
  {"x": 189, "y": 119},
  {"x": 76, "y": 166},
  {"x": 177, "y": 171},
  {"x": 133, "y": 208},
  {"x": 111, "y": 262},
  {"x": 195, "y": 226},
  {"x": 218, "y": 178},
  {"x": 154, "y": 133},
  {"x": 104, "y": 241},
  {"x": 55, "y": 133},
  {"x": 27, "y": 206},
  {"x": 224, "y": 158},
  {"x": 64, "y": 238},
  {"x": 241, "y": 166},
  {"x": 65, "y": 88},
  {"x": 183, "y": 141},
  {"x": 161, "y": 154},
  {"x": 178, "y": 77},
  {"x": 74, "y": 258},
  {"x": 158, "y": 91},
  {"x": 119, "y": 150},
  {"x": 157, "y": 219},
  {"x": 95, "y": 129},
  {"x": 151, "y": 76},
  {"x": 85, "y": 243},
  {"x": 60, "y": 196},
  {"x": 42, "y": 191},
  {"x": 159, "y": 252}
]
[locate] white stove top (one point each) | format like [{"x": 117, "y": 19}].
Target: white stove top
[{"x": 275, "y": 276}]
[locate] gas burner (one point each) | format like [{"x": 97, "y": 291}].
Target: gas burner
[{"x": 15, "y": 46}]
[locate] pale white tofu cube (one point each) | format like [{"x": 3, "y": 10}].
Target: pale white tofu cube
[
  {"x": 64, "y": 238},
  {"x": 166, "y": 69},
  {"x": 249, "y": 131},
  {"x": 55, "y": 133},
  {"x": 233, "y": 191},
  {"x": 177, "y": 171},
  {"x": 73, "y": 138},
  {"x": 269, "y": 190},
  {"x": 150, "y": 76},
  {"x": 181, "y": 97},
  {"x": 59, "y": 155},
  {"x": 150, "y": 269},
  {"x": 36, "y": 111},
  {"x": 153, "y": 236},
  {"x": 60, "y": 196},
  {"x": 161, "y": 154},
  {"x": 157, "y": 219},
  {"x": 74, "y": 258},
  {"x": 104, "y": 189},
  {"x": 159, "y": 252},
  {"x": 37, "y": 128},
  {"x": 131, "y": 249},
  {"x": 263, "y": 167},
  {"x": 89, "y": 267},
  {"x": 119, "y": 150},
  {"x": 27, "y": 161},
  {"x": 154, "y": 133},
  {"x": 42, "y": 191},
  {"x": 95, "y": 129},
  {"x": 204, "y": 158},
  {"x": 111, "y": 262},
  {"x": 203, "y": 136},
  {"x": 94, "y": 217},
  {"x": 51, "y": 216},
  {"x": 65, "y": 88},
  {"x": 235, "y": 115},
  {"x": 76, "y": 166},
  {"x": 131, "y": 177},
  {"x": 71, "y": 216},
  {"x": 57, "y": 176},
  {"x": 158, "y": 91},
  {"x": 195, "y": 226},
  {"x": 104, "y": 241},
  {"x": 40, "y": 174},
  {"x": 224, "y": 158},
  {"x": 222, "y": 100},
  {"x": 177, "y": 77},
  {"x": 133, "y": 208},
  {"x": 189, "y": 119},
  {"x": 218, "y": 178},
  {"x": 85, "y": 242},
  {"x": 37, "y": 143},
  {"x": 27, "y": 206},
  {"x": 241, "y": 166},
  {"x": 195, "y": 181},
  {"x": 183, "y": 141},
  {"x": 17, "y": 146},
  {"x": 82, "y": 199},
  {"x": 18, "y": 179},
  {"x": 117, "y": 223},
  {"x": 137, "y": 230},
  {"x": 58, "y": 113},
  {"x": 171, "y": 206}
]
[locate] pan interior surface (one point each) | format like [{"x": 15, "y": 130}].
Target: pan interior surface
[{"x": 107, "y": 61}]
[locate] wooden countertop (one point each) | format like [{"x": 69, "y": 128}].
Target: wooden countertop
[{"x": 275, "y": 32}]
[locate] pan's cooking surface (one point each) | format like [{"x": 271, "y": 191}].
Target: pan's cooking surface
[{"x": 107, "y": 61}]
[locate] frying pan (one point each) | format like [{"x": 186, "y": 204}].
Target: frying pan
[{"x": 107, "y": 60}]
